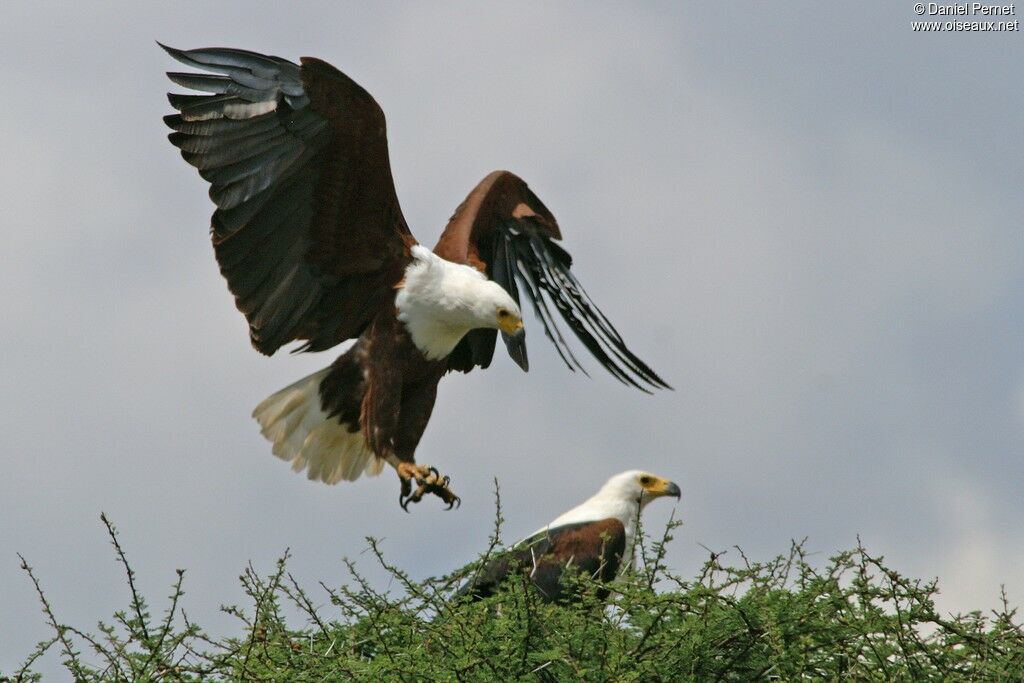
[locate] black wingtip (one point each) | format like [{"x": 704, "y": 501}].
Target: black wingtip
[
  {"x": 172, "y": 51},
  {"x": 542, "y": 268}
]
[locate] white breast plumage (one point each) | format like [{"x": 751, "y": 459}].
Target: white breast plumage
[{"x": 440, "y": 301}]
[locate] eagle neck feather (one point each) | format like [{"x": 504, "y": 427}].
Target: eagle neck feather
[
  {"x": 439, "y": 302},
  {"x": 598, "y": 507}
]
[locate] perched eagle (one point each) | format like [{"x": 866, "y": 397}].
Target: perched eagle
[
  {"x": 594, "y": 538},
  {"x": 309, "y": 234}
]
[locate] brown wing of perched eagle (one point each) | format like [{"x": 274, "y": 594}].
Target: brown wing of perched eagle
[
  {"x": 310, "y": 236},
  {"x": 594, "y": 538}
]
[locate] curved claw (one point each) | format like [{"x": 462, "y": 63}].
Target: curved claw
[
  {"x": 428, "y": 480},
  {"x": 404, "y": 494},
  {"x": 416, "y": 497}
]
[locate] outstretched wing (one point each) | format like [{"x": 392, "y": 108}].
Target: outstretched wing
[
  {"x": 595, "y": 548},
  {"x": 504, "y": 230},
  {"x": 308, "y": 231}
]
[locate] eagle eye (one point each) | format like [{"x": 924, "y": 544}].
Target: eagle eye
[
  {"x": 645, "y": 480},
  {"x": 503, "y": 313}
]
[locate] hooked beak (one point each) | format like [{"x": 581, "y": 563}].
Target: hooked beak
[
  {"x": 510, "y": 326},
  {"x": 659, "y": 487}
]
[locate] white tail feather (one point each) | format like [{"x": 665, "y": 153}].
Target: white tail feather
[{"x": 304, "y": 435}]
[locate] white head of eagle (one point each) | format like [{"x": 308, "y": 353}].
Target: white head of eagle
[
  {"x": 440, "y": 301},
  {"x": 622, "y": 497}
]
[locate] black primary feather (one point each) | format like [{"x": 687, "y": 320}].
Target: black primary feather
[
  {"x": 523, "y": 253},
  {"x": 253, "y": 138},
  {"x": 503, "y": 272}
]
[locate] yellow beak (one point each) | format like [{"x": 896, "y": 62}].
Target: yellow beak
[
  {"x": 663, "y": 487},
  {"x": 510, "y": 325}
]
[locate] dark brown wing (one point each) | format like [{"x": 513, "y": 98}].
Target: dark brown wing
[
  {"x": 593, "y": 548},
  {"x": 504, "y": 230},
  {"x": 308, "y": 231}
]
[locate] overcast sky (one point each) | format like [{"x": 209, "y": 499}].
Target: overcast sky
[{"x": 806, "y": 218}]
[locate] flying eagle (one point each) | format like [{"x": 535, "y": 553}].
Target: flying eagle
[
  {"x": 594, "y": 538},
  {"x": 309, "y": 234}
]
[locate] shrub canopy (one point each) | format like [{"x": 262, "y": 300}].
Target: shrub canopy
[{"x": 738, "y": 620}]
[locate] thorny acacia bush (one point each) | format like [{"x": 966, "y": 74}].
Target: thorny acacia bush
[{"x": 784, "y": 619}]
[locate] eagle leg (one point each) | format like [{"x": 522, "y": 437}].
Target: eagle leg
[{"x": 428, "y": 480}]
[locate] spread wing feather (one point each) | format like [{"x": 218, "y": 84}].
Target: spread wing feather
[
  {"x": 504, "y": 229},
  {"x": 308, "y": 231}
]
